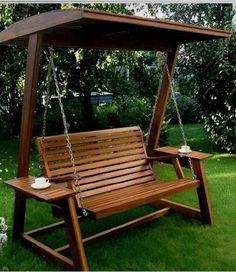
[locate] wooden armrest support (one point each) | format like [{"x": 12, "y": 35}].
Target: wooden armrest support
[
  {"x": 169, "y": 150},
  {"x": 51, "y": 194},
  {"x": 163, "y": 158}
]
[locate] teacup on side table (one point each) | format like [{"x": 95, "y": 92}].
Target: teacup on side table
[
  {"x": 185, "y": 149},
  {"x": 41, "y": 183}
]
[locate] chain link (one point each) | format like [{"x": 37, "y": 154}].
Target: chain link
[
  {"x": 156, "y": 100},
  {"x": 52, "y": 69},
  {"x": 171, "y": 81},
  {"x": 47, "y": 99},
  {"x": 46, "y": 104}
]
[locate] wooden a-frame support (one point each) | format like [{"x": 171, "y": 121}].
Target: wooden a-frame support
[
  {"x": 70, "y": 217},
  {"x": 154, "y": 136},
  {"x": 71, "y": 221}
]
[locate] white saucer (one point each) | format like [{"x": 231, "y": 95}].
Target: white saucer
[
  {"x": 184, "y": 152},
  {"x": 40, "y": 186}
]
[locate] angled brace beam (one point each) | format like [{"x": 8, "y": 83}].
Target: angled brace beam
[{"x": 161, "y": 103}]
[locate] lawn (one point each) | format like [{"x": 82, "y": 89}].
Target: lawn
[{"x": 173, "y": 242}]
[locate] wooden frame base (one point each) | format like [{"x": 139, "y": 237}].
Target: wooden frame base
[{"x": 59, "y": 254}]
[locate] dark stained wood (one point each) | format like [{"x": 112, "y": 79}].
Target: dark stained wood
[
  {"x": 30, "y": 91},
  {"x": 203, "y": 196},
  {"x": 74, "y": 235},
  {"x": 178, "y": 169},
  {"x": 180, "y": 208},
  {"x": 51, "y": 194},
  {"x": 46, "y": 251},
  {"x": 113, "y": 231},
  {"x": 42, "y": 230},
  {"x": 75, "y": 39},
  {"x": 162, "y": 158},
  {"x": 19, "y": 214},
  {"x": 81, "y": 22},
  {"x": 161, "y": 103}
]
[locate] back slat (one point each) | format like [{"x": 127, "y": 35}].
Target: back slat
[
  {"x": 97, "y": 158},
  {"x": 106, "y": 160}
]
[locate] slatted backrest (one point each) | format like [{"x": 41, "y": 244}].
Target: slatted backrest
[{"x": 106, "y": 160}]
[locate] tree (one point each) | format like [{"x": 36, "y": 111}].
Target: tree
[
  {"x": 80, "y": 71},
  {"x": 13, "y": 66},
  {"x": 207, "y": 69}
]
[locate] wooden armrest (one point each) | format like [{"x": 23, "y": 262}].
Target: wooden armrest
[
  {"x": 163, "y": 158},
  {"x": 53, "y": 193},
  {"x": 169, "y": 150}
]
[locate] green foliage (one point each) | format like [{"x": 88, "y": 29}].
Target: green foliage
[
  {"x": 187, "y": 107},
  {"x": 128, "y": 111},
  {"x": 107, "y": 116},
  {"x": 207, "y": 70},
  {"x": 134, "y": 111},
  {"x": 73, "y": 111}
]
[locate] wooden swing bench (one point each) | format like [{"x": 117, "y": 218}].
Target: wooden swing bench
[
  {"x": 115, "y": 175},
  {"x": 115, "y": 172}
]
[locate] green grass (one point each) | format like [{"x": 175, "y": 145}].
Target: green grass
[{"x": 169, "y": 243}]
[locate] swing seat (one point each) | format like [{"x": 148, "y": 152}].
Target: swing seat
[
  {"x": 115, "y": 172},
  {"x": 132, "y": 196}
]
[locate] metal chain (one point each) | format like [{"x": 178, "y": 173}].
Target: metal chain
[
  {"x": 47, "y": 97},
  {"x": 171, "y": 81},
  {"x": 156, "y": 100},
  {"x": 77, "y": 178}
]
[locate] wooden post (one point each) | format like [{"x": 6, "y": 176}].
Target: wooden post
[
  {"x": 31, "y": 79},
  {"x": 30, "y": 91},
  {"x": 160, "y": 106},
  {"x": 74, "y": 235},
  {"x": 203, "y": 197}
]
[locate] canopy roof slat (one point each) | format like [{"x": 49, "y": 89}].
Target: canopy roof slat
[{"x": 97, "y": 29}]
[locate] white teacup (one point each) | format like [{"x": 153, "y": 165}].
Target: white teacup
[
  {"x": 185, "y": 148},
  {"x": 41, "y": 180}
]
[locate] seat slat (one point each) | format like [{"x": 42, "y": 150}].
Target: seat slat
[
  {"x": 112, "y": 204},
  {"x": 138, "y": 189},
  {"x": 123, "y": 184}
]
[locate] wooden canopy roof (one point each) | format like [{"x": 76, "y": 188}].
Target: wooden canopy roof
[{"x": 96, "y": 29}]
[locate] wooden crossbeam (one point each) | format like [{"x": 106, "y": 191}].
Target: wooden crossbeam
[
  {"x": 131, "y": 224},
  {"x": 46, "y": 251}
]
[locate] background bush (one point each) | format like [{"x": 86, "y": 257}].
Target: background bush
[
  {"x": 187, "y": 108},
  {"x": 128, "y": 111}
]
